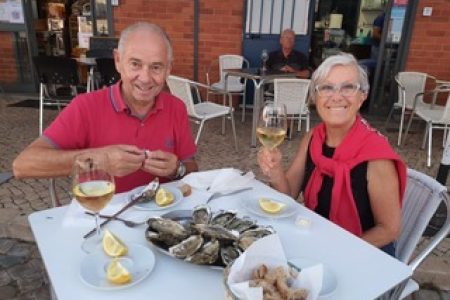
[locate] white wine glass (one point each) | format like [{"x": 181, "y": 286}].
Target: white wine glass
[
  {"x": 272, "y": 125},
  {"x": 93, "y": 187}
]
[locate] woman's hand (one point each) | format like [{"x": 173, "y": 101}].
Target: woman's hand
[{"x": 270, "y": 163}]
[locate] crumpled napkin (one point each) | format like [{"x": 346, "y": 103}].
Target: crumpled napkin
[
  {"x": 268, "y": 250},
  {"x": 223, "y": 180},
  {"x": 76, "y": 216}
]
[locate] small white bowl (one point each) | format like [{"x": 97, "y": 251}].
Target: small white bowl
[{"x": 303, "y": 223}]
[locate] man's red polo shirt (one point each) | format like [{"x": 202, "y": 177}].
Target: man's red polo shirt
[{"x": 102, "y": 118}]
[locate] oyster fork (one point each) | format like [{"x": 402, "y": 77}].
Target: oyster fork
[
  {"x": 127, "y": 223},
  {"x": 220, "y": 194}
]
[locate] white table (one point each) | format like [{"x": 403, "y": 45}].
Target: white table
[
  {"x": 362, "y": 271},
  {"x": 259, "y": 79}
]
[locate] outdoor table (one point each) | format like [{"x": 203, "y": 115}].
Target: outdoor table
[
  {"x": 258, "y": 78},
  {"x": 362, "y": 271}
]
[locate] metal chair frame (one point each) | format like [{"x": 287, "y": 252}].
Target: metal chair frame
[
  {"x": 202, "y": 111},
  {"x": 234, "y": 85}
]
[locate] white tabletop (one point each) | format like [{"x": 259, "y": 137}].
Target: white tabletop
[{"x": 362, "y": 271}]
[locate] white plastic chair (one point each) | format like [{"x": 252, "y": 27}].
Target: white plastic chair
[
  {"x": 234, "y": 85},
  {"x": 409, "y": 85},
  {"x": 201, "y": 111},
  {"x": 436, "y": 117},
  {"x": 422, "y": 199},
  {"x": 293, "y": 93}
]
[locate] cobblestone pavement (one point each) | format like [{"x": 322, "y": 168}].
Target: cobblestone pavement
[{"x": 22, "y": 275}]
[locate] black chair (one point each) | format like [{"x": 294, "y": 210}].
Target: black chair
[
  {"x": 107, "y": 70},
  {"x": 58, "y": 82}
]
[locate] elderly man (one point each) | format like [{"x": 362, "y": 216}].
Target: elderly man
[
  {"x": 287, "y": 59},
  {"x": 144, "y": 130}
]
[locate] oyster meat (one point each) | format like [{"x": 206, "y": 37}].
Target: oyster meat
[
  {"x": 187, "y": 247},
  {"x": 207, "y": 255}
]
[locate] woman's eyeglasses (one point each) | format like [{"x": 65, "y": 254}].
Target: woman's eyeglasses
[{"x": 345, "y": 89}]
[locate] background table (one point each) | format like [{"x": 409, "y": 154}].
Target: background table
[
  {"x": 362, "y": 271},
  {"x": 259, "y": 79}
]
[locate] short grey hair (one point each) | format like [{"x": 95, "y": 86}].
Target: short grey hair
[
  {"x": 145, "y": 26},
  {"x": 341, "y": 59}
]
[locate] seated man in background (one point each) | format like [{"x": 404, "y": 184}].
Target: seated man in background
[
  {"x": 144, "y": 131},
  {"x": 287, "y": 59}
]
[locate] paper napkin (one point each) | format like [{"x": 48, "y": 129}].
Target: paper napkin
[
  {"x": 223, "y": 180},
  {"x": 269, "y": 251}
]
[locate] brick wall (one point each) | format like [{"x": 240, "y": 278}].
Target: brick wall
[
  {"x": 429, "y": 50},
  {"x": 8, "y": 71},
  {"x": 220, "y": 28}
]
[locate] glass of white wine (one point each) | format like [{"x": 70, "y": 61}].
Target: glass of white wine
[
  {"x": 93, "y": 187},
  {"x": 272, "y": 125}
]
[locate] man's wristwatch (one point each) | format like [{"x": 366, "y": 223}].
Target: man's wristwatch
[{"x": 181, "y": 170}]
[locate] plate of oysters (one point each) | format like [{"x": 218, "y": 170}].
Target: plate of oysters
[
  {"x": 202, "y": 237},
  {"x": 166, "y": 197}
]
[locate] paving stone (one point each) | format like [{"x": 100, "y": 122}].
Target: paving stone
[
  {"x": 25, "y": 271},
  {"x": 4, "y": 278},
  {"x": 29, "y": 284},
  {"x": 6, "y": 245},
  {"x": 7, "y": 215},
  {"x": 8, "y": 292},
  {"x": 20, "y": 249},
  {"x": 7, "y": 261}
]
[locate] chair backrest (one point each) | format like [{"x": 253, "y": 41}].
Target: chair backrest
[
  {"x": 445, "y": 119},
  {"x": 293, "y": 93},
  {"x": 56, "y": 70},
  {"x": 181, "y": 88},
  {"x": 107, "y": 69},
  {"x": 409, "y": 85},
  {"x": 231, "y": 61},
  {"x": 422, "y": 198}
]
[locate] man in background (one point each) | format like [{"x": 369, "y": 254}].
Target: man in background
[{"x": 287, "y": 59}]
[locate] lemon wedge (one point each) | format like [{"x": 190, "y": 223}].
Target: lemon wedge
[
  {"x": 112, "y": 245},
  {"x": 271, "y": 206},
  {"x": 164, "y": 197},
  {"x": 117, "y": 273}
]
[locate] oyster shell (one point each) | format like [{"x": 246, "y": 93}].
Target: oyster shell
[
  {"x": 201, "y": 214},
  {"x": 216, "y": 232},
  {"x": 223, "y": 217},
  {"x": 248, "y": 237},
  {"x": 241, "y": 224},
  {"x": 207, "y": 255},
  {"x": 229, "y": 254},
  {"x": 162, "y": 225},
  {"x": 187, "y": 247}
]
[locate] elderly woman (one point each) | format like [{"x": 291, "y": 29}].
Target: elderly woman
[{"x": 347, "y": 171}]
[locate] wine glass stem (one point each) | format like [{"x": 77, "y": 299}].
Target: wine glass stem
[{"x": 97, "y": 225}]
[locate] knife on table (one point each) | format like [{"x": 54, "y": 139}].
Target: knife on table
[{"x": 152, "y": 186}]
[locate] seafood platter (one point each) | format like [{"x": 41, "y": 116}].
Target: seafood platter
[{"x": 203, "y": 237}]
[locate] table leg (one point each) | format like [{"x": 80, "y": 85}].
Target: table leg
[{"x": 257, "y": 102}]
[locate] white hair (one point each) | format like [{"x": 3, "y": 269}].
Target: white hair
[{"x": 341, "y": 59}]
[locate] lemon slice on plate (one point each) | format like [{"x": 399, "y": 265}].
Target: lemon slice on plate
[
  {"x": 164, "y": 197},
  {"x": 271, "y": 206},
  {"x": 112, "y": 245},
  {"x": 117, "y": 273}
]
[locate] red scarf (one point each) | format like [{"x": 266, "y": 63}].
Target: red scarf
[{"x": 362, "y": 143}]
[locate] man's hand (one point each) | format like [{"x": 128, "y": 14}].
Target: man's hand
[
  {"x": 125, "y": 159},
  {"x": 288, "y": 69},
  {"x": 160, "y": 163}
]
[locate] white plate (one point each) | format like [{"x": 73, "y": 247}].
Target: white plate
[
  {"x": 151, "y": 205},
  {"x": 252, "y": 206},
  {"x": 139, "y": 261},
  {"x": 329, "y": 280}
]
